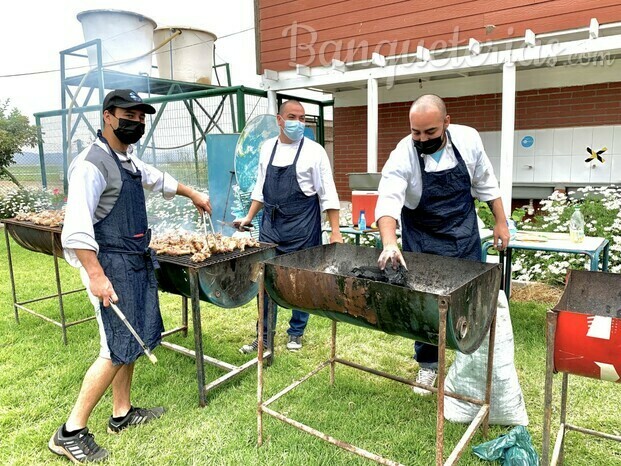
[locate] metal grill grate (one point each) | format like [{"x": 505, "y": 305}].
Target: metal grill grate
[
  {"x": 215, "y": 259},
  {"x": 31, "y": 225}
]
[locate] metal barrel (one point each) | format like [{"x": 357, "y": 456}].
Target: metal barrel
[
  {"x": 318, "y": 280},
  {"x": 35, "y": 238},
  {"x": 227, "y": 283},
  {"x": 588, "y": 331}
]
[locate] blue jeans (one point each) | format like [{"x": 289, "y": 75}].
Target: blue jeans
[
  {"x": 297, "y": 323},
  {"x": 426, "y": 355}
]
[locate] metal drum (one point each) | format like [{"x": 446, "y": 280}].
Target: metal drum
[
  {"x": 226, "y": 280},
  {"x": 588, "y": 332},
  {"x": 319, "y": 280},
  {"x": 37, "y": 238}
]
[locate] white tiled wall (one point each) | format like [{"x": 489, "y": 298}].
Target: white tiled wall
[{"x": 558, "y": 155}]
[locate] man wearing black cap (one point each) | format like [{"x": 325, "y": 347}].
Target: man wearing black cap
[{"x": 116, "y": 265}]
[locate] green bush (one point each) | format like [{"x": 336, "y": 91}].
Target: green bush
[
  {"x": 600, "y": 207},
  {"x": 15, "y": 200}
]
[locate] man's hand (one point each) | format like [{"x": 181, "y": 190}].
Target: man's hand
[
  {"x": 392, "y": 254},
  {"x": 242, "y": 222},
  {"x": 336, "y": 237},
  {"x": 201, "y": 201},
  {"x": 102, "y": 288},
  {"x": 501, "y": 236}
]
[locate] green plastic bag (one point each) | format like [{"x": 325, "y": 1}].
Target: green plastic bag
[{"x": 515, "y": 448}]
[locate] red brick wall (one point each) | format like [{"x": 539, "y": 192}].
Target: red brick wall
[
  {"x": 313, "y": 32},
  {"x": 592, "y": 105}
]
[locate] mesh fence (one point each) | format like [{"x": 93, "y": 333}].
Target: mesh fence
[{"x": 176, "y": 145}]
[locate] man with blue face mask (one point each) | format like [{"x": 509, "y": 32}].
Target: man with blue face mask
[
  {"x": 294, "y": 186},
  {"x": 428, "y": 185}
]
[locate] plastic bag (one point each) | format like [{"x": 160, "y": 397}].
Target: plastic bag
[
  {"x": 515, "y": 448},
  {"x": 468, "y": 375}
]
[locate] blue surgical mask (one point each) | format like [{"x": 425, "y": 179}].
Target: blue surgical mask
[{"x": 294, "y": 129}]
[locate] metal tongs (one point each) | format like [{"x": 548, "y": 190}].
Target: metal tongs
[
  {"x": 144, "y": 347},
  {"x": 206, "y": 217},
  {"x": 233, "y": 225}
]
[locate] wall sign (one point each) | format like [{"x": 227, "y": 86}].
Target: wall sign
[{"x": 527, "y": 141}]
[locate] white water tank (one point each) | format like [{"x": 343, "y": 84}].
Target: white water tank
[
  {"x": 126, "y": 39},
  {"x": 187, "y": 57}
]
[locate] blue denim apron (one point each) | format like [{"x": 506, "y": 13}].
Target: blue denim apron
[
  {"x": 292, "y": 220},
  {"x": 444, "y": 223},
  {"x": 123, "y": 237}
]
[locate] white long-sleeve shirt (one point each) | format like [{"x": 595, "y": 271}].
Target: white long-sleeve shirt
[
  {"x": 401, "y": 182},
  {"x": 94, "y": 187},
  {"x": 313, "y": 170}
]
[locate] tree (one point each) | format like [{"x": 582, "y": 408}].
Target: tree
[{"x": 15, "y": 133}]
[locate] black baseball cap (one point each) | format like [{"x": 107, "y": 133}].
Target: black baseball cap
[{"x": 126, "y": 98}]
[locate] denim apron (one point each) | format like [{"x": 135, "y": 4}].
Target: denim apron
[
  {"x": 123, "y": 237},
  {"x": 292, "y": 220},
  {"x": 444, "y": 223}
]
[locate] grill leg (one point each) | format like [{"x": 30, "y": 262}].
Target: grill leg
[
  {"x": 490, "y": 371},
  {"x": 551, "y": 319},
  {"x": 332, "y": 352},
  {"x": 260, "y": 358},
  {"x": 198, "y": 336},
  {"x": 59, "y": 290},
  {"x": 564, "y": 388},
  {"x": 184, "y": 315},
  {"x": 10, "y": 259},
  {"x": 271, "y": 325},
  {"x": 443, "y": 309}
]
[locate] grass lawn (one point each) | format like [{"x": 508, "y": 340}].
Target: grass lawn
[{"x": 40, "y": 377}]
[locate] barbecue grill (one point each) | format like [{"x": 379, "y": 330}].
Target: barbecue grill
[
  {"x": 583, "y": 338},
  {"x": 448, "y": 302},
  {"x": 45, "y": 240},
  {"x": 227, "y": 280}
]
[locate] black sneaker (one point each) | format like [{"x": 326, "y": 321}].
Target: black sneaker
[
  {"x": 134, "y": 417},
  {"x": 295, "y": 343},
  {"x": 79, "y": 448},
  {"x": 250, "y": 347}
]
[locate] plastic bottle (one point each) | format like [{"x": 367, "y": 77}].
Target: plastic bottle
[
  {"x": 576, "y": 226},
  {"x": 512, "y": 229},
  {"x": 362, "y": 221}
]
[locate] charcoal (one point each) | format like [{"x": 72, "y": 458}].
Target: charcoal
[{"x": 388, "y": 275}]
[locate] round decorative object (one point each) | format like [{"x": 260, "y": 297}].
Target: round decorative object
[{"x": 248, "y": 149}]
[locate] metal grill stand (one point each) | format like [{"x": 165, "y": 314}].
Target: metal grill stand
[
  {"x": 482, "y": 417},
  {"x": 593, "y": 294},
  {"x": 54, "y": 237},
  {"x": 183, "y": 265}
]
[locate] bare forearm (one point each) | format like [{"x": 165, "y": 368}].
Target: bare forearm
[
  {"x": 495, "y": 205},
  {"x": 388, "y": 230},
  {"x": 255, "y": 207},
  {"x": 89, "y": 261},
  {"x": 184, "y": 190},
  {"x": 201, "y": 201},
  {"x": 333, "y": 219}
]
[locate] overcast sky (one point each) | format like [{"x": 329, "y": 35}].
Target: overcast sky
[{"x": 34, "y": 32}]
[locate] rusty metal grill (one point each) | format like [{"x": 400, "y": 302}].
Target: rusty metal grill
[
  {"x": 12, "y": 221},
  {"x": 185, "y": 261}
]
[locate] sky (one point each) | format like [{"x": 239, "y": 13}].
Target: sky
[{"x": 34, "y": 32}]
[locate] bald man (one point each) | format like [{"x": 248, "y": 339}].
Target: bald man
[{"x": 428, "y": 185}]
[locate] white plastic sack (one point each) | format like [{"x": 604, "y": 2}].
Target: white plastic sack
[{"x": 468, "y": 374}]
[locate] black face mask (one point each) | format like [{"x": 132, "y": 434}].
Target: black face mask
[
  {"x": 430, "y": 146},
  {"x": 129, "y": 131}
]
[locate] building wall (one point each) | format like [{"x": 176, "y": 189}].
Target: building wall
[
  {"x": 313, "y": 32},
  {"x": 565, "y": 107}
]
